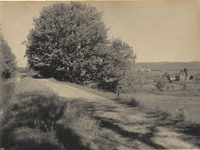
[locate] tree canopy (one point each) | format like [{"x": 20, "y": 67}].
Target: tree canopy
[
  {"x": 8, "y": 64},
  {"x": 69, "y": 42},
  {"x": 65, "y": 39},
  {"x": 119, "y": 67}
]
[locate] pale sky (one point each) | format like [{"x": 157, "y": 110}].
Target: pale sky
[{"x": 156, "y": 30}]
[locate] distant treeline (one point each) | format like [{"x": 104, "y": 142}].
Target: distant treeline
[
  {"x": 8, "y": 65},
  {"x": 156, "y": 66}
]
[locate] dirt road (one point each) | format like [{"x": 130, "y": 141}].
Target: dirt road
[{"x": 130, "y": 128}]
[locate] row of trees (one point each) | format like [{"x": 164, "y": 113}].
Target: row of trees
[
  {"x": 69, "y": 42},
  {"x": 8, "y": 64}
]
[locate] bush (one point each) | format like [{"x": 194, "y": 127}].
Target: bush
[
  {"x": 160, "y": 85},
  {"x": 180, "y": 114},
  {"x": 166, "y": 76},
  {"x": 129, "y": 100}
]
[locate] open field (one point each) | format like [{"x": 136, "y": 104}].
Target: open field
[
  {"x": 182, "y": 88},
  {"x": 155, "y": 74},
  {"x": 176, "y": 88},
  {"x": 158, "y": 69}
]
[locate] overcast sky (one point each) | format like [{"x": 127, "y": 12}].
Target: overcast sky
[{"x": 157, "y": 31}]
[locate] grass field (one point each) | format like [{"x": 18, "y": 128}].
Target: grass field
[{"x": 182, "y": 88}]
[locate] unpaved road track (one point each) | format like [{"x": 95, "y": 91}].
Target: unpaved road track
[{"x": 129, "y": 127}]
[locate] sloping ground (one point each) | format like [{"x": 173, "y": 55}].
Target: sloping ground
[{"x": 129, "y": 128}]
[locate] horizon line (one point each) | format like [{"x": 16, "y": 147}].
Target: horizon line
[{"x": 167, "y": 61}]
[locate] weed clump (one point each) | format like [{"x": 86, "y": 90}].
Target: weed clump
[
  {"x": 180, "y": 114},
  {"x": 129, "y": 100}
]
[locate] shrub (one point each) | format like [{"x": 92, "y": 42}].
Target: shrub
[
  {"x": 160, "y": 85},
  {"x": 180, "y": 114},
  {"x": 166, "y": 76},
  {"x": 129, "y": 100}
]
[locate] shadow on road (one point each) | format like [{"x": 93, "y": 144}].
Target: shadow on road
[
  {"x": 113, "y": 125},
  {"x": 192, "y": 131},
  {"x": 145, "y": 138}
]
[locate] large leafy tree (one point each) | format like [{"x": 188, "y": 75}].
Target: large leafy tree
[
  {"x": 117, "y": 67},
  {"x": 67, "y": 41},
  {"x": 8, "y": 65}
]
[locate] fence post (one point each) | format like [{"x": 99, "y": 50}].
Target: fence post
[{"x": 118, "y": 93}]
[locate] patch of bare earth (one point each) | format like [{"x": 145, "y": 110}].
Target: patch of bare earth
[{"x": 129, "y": 128}]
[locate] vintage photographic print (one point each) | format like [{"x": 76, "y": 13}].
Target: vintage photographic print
[{"x": 99, "y": 75}]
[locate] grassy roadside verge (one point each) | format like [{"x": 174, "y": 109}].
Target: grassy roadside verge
[
  {"x": 174, "y": 120},
  {"x": 38, "y": 119}
]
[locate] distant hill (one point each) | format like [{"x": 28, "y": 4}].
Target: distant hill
[{"x": 194, "y": 65}]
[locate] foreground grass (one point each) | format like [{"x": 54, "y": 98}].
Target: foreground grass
[{"x": 39, "y": 119}]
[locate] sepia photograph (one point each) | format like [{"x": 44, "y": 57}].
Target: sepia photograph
[{"x": 99, "y": 75}]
